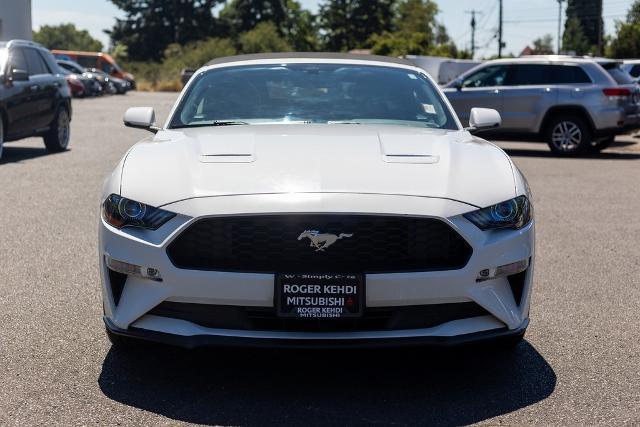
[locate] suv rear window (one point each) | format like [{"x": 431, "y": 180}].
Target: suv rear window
[{"x": 618, "y": 74}]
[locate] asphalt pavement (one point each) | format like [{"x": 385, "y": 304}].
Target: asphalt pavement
[{"x": 579, "y": 364}]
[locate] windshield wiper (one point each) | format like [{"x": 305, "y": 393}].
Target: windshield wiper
[{"x": 214, "y": 123}]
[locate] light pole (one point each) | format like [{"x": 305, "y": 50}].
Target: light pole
[{"x": 559, "y": 24}]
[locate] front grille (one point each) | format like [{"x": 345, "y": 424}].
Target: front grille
[
  {"x": 265, "y": 318},
  {"x": 270, "y": 243}
]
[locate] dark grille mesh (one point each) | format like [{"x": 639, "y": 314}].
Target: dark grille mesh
[
  {"x": 269, "y": 243},
  {"x": 265, "y": 318}
]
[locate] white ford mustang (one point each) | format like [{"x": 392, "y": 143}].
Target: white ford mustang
[{"x": 315, "y": 200}]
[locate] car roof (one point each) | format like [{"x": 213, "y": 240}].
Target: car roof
[
  {"x": 309, "y": 55},
  {"x": 553, "y": 58},
  {"x": 19, "y": 42}
]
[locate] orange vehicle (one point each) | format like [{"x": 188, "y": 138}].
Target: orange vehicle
[{"x": 99, "y": 60}]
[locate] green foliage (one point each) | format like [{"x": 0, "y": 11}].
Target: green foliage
[
  {"x": 263, "y": 38},
  {"x": 543, "y": 45},
  {"x": 239, "y": 16},
  {"x": 120, "y": 53},
  {"x": 416, "y": 32},
  {"x": 626, "y": 42},
  {"x": 150, "y": 26},
  {"x": 400, "y": 43},
  {"x": 416, "y": 16},
  {"x": 586, "y": 15},
  {"x": 349, "y": 24},
  {"x": 67, "y": 37},
  {"x": 574, "y": 39}
]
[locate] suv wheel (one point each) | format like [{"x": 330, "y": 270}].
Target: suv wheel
[
  {"x": 568, "y": 135},
  {"x": 57, "y": 139}
]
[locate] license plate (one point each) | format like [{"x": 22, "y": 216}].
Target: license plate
[{"x": 319, "y": 296}]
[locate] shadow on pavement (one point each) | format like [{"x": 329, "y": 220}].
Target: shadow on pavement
[
  {"x": 19, "y": 154},
  {"x": 605, "y": 155},
  {"x": 269, "y": 387}
]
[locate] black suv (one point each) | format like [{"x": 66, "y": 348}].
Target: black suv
[{"x": 35, "y": 99}]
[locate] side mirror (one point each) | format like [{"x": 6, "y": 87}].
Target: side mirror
[
  {"x": 483, "y": 119},
  {"x": 457, "y": 83},
  {"x": 17, "y": 75},
  {"x": 141, "y": 118}
]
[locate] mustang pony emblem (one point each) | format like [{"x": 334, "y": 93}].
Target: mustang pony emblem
[{"x": 321, "y": 241}]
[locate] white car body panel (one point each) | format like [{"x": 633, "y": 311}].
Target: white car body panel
[
  {"x": 315, "y": 168},
  {"x": 277, "y": 159}
]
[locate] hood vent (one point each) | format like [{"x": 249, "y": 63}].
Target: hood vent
[{"x": 409, "y": 149}]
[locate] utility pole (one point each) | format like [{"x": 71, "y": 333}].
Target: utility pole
[
  {"x": 500, "y": 44},
  {"x": 559, "y": 24},
  {"x": 473, "y": 30}
]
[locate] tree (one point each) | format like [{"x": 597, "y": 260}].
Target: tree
[
  {"x": 239, "y": 16},
  {"x": 263, "y": 38},
  {"x": 626, "y": 42},
  {"x": 573, "y": 38},
  {"x": 349, "y": 24},
  {"x": 415, "y": 32},
  {"x": 588, "y": 14},
  {"x": 543, "y": 45},
  {"x": 151, "y": 25},
  {"x": 66, "y": 36},
  {"x": 295, "y": 24}
]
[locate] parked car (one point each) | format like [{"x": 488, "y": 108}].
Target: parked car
[
  {"x": 35, "y": 99},
  {"x": 99, "y": 60},
  {"x": 574, "y": 104},
  {"x": 632, "y": 66},
  {"x": 315, "y": 200},
  {"x": 119, "y": 86},
  {"x": 75, "y": 84},
  {"x": 107, "y": 86},
  {"x": 443, "y": 70},
  {"x": 93, "y": 87}
]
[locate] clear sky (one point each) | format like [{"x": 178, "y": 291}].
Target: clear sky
[{"x": 525, "y": 20}]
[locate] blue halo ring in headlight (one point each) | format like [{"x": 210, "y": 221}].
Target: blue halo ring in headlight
[
  {"x": 505, "y": 211},
  {"x": 130, "y": 209}
]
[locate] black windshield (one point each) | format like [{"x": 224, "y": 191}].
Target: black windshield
[{"x": 313, "y": 93}]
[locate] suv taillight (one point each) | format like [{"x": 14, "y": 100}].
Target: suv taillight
[{"x": 618, "y": 92}]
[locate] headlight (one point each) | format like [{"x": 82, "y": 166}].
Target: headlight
[
  {"x": 514, "y": 213},
  {"x": 122, "y": 212}
]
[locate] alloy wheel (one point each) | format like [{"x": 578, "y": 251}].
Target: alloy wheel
[
  {"x": 63, "y": 129},
  {"x": 566, "y": 136}
]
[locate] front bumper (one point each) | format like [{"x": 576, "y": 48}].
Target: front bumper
[
  {"x": 237, "y": 340},
  {"x": 128, "y": 314}
]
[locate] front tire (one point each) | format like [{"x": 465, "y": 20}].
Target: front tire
[
  {"x": 568, "y": 135},
  {"x": 57, "y": 139}
]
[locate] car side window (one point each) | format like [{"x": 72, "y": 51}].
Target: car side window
[
  {"x": 527, "y": 74},
  {"x": 17, "y": 61},
  {"x": 567, "y": 74},
  {"x": 493, "y": 75},
  {"x": 36, "y": 65}
]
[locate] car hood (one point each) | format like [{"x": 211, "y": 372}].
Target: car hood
[{"x": 337, "y": 158}]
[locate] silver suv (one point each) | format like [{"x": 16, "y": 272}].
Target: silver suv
[{"x": 574, "y": 104}]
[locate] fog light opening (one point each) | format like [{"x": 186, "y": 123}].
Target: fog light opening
[
  {"x": 133, "y": 269},
  {"x": 503, "y": 270}
]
